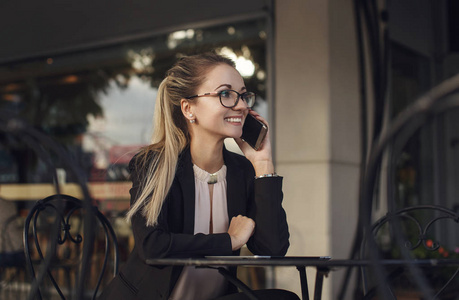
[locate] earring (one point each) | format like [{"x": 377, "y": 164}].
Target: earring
[{"x": 192, "y": 120}]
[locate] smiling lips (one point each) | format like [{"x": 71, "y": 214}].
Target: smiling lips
[{"x": 234, "y": 120}]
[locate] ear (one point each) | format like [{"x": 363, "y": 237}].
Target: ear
[{"x": 187, "y": 109}]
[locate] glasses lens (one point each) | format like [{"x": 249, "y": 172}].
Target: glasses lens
[
  {"x": 228, "y": 98},
  {"x": 249, "y": 98}
]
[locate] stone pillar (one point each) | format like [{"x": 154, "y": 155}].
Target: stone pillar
[{"x": 317, "y": 130}]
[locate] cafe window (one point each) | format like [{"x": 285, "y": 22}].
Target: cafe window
[
  {"x": 426, "y": 163},
  {"x": 410, "y": 72},
  {"x": 99, "y": 103},
  {"x": 423, "y": 53}
]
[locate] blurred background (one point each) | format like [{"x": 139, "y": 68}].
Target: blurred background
[{"x": 329, "y": 76}]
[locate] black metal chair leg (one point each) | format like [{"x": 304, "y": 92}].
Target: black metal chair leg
[
  {"x": 304, "y": 283},
  {"x": 237, "y": 283},
  {"x": 321, "y": 272}
]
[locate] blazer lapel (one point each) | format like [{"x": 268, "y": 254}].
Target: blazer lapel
[{"x": 185, "y": 177}]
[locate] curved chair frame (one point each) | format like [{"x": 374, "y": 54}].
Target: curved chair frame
[
  {"x": 435, "y": 102},
  {"x": 395, "y": 218},
  {"x": 56, "y": 203}
]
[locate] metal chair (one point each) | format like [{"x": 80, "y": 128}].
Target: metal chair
[
  {"x": 376, "y": 185},
  {"x": 59, "y": 233},
  {"x": 415, "y": 233}
]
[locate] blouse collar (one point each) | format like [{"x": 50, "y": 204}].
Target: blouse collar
[{"x": 207, "y": 177}]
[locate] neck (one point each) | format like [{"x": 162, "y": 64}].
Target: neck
[{"x": 207, "y": 156}]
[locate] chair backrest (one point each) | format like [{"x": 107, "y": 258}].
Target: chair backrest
[
  {"x": 64, "y": 238},
  {"x": 417, "y": 232}
]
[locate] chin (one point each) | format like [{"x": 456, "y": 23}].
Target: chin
[{"x": 235, "y": 135}]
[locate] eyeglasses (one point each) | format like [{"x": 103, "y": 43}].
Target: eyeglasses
[{"x": 230, "y": 98}]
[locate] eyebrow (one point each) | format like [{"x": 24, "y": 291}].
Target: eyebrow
[{"x": 230, "y": 87}]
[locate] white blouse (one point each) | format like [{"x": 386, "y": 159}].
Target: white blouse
[{"x": 211, "y": 216}]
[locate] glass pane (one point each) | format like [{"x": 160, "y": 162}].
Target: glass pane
[{"x": 99, "y": 103}]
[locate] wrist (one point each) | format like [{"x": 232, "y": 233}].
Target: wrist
[
  {"x": 234, "y": 243},
  {"x": 267, "y": 175},
  {"x": 263, "y": 167}
]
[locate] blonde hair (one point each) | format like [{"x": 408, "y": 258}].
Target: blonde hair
[{"x": 170, "y": 135}]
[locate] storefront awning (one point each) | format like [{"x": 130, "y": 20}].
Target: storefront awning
[{"x": 32, "y": 29}]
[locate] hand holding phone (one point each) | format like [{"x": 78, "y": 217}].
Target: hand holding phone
[{"x": 253, "y": 131}]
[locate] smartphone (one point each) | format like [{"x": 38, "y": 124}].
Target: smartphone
[{"x": 253, "y": 131}]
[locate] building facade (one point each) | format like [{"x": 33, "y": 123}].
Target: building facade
[{"x": 302, "y": 57}]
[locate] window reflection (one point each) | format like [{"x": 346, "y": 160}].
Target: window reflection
[
  {"x": 99, "y": 103},
  {"x": 124, "y": 127}
]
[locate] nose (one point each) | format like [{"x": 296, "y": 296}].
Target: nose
[{"x": 241, "y": 104}]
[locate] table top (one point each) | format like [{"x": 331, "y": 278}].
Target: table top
[{"x": 313, "y": 261}]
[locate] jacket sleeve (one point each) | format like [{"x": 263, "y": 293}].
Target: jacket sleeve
[
  {"x": 271, "y": 235},
  {"x": 161, "y": 240}
]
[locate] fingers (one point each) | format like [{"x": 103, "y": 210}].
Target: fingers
[
  {"x": 240, "y": 230},
  {"x": 242, "y": 224},
  {"x": 258, "y": 117},
  {"x": 244, "y": 146}
]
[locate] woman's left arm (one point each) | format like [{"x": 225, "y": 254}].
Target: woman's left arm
[{"x": 271, "y": 236}]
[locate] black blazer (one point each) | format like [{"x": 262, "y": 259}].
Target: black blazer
[{"x": 173, "y": 236}]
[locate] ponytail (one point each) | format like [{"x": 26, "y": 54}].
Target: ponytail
[{"x": 168, "y": 141}]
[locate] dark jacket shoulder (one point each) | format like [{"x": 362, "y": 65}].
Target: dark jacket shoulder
[{"x": 141, "y": 159}]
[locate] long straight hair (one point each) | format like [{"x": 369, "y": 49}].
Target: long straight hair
[{"x": 170, "y": 132}]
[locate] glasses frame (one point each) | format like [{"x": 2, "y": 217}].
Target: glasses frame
[{"x": 239, "y": 96}]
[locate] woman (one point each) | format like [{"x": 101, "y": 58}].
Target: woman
[{"x": 190, "y": 196}]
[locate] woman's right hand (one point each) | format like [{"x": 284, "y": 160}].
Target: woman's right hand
[
  {"x": 240, "y": 230},
  {"x": 261, "y": 159}
]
